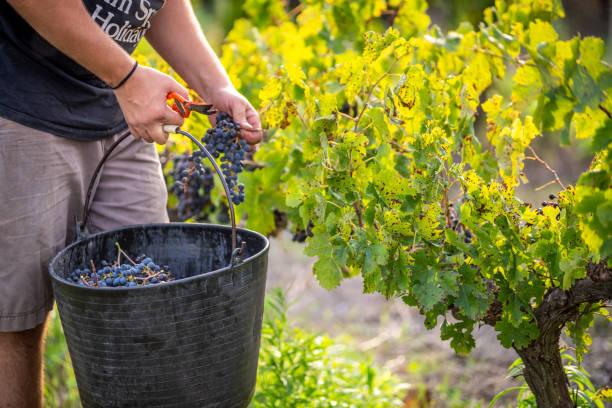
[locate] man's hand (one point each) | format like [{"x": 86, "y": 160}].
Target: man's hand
[
  {"x": 198, "y": 65},
  {"x": 143, "y": 101},
  {"x": 229, "y": 100}
]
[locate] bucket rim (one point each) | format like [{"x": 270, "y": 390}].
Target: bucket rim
[{"x": 59, "y": 280}]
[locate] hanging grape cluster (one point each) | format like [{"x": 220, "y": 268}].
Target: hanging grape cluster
[
  {"x": 223, "y": 141},
  {"x": 300, "y": 235},
  {"x": 193, "y": 185}
]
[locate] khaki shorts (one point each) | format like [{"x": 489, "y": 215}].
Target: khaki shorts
[{"x": 43, "y": 183}]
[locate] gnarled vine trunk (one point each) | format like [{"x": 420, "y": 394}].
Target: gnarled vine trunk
[{"x": 544, "y": 371}]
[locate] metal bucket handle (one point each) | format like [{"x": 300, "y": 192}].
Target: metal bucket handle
[{"x": 81, "y": 226}]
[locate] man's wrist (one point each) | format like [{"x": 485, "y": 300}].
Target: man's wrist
[
  {"x": 124, "y": 80},
  {"x": 117, "y": 73}
]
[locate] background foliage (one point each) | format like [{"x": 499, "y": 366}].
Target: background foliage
[{"x": 371, "y": 112}]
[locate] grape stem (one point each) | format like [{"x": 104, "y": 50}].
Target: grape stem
[
  {"x": 344, "y": 115},
  {"x": 371, "y": 90},
  {"x": 357, "y": 207},
  {"x": 332, "y": 203},
  {"x": 518, "y": 61},
  {"x": 545, "y": 185},
  {"x": 297, "y": 111},
  {"x": 119, "y": 253},
  {"x": 150, "y": 276},
  {"x": 95, "y": 273},
  {"x": 537, "y": 158},
  {"x": 255, "y": 164},
  {"x": 400, "y": 148},
  {"x": 604, "y": 110},
  {"x": 445, "y": 204},
  {"x": 295, "y": 11},
  {"x": 84, "y": 281},
  {"x": 364, "y": 162}
]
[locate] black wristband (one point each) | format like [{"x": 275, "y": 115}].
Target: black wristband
[{"x": 126, "y": 77}]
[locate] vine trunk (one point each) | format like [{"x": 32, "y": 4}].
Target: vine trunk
[{"x": 544, "y": 372}]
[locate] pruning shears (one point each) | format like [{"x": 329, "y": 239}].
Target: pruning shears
[{"x": 184, "y": 107}]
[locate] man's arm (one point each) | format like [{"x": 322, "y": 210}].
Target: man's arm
[
  {"x": 176, "y": 35},
  {"x": 68, "y": 27}
]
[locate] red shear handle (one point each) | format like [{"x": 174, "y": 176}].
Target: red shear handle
[
  {"x": 184, "y": 107},
  {"x": 180, "y": 104}
]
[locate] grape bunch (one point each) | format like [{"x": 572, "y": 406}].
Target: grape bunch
[
  {"x": 223, "y": 141},
  {"x": 300, "y": 235},
  {"x": 141, "y": 273},
  {"x": 457, "y": 226},
  {"x": 193, "y": 184},
  {"x": 552, "y": 203}
]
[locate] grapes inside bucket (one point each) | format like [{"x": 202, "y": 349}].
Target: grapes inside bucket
[{"x": 190, "y": 339}]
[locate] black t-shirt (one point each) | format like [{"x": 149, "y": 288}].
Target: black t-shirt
[{"x": 42, "y": 88}]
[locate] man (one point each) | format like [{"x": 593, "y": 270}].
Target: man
[{"x": 68, "y": 88}]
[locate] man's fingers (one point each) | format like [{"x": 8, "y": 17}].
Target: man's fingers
[
  {"x": 243, "y": 116},
  {"x": 254, "y": 134},
  {"x": 134, "y": 133},
  {"x": 170, "y": 117},
  {"x": 147, "y": 137},
  {"x": 157, "y": 135},
  {"x": 178, "y": 88},
  {"x": 251, "y": 136},
  {"x": 253, "y": 118},
  {"x": 239, "y": 116},
  {"x": 213, "y": 120},
  {"x": 163, "y": 138}
]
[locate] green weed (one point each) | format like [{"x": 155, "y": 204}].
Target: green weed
[{"x": 60, "y": 384}]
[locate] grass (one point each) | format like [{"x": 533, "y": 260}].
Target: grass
[{"x": 60, "y": 384}]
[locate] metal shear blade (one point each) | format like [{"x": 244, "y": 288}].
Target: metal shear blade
[{"x": 201, "y": 108}]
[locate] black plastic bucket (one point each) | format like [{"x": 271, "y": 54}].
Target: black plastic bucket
[{"x": 193, "y": 342}]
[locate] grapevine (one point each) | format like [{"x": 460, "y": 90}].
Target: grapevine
[{"x": 372, "y": 113}]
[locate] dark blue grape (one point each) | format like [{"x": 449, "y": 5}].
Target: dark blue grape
[{"x": 223, "y": 143}]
